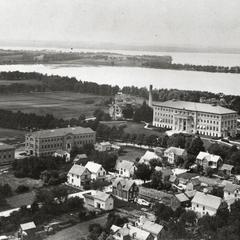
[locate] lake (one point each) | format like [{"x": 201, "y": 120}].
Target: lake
[{"x": 141, "y": 77}]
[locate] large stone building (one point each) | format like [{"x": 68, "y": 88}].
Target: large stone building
[
  {"x": 192, "y": 117},
  {"x": 7, "y": 153},
  {"x": 46, "y": 142}
]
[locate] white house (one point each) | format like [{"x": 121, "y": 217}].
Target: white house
[
  {"x": 99, "y": 200},
  {"x": 62, "y": 154},
  {"x": 206, "y": 159},
  {"x": 96, "y": 170},
  {"x": 231, "y": 191},
  {"x": 148, "y": 156},
  {"x": 103, "y": 146},
  {"x": 125, "y": 168},
  {"x": 203, "y": 204},
  {"x": 173, "y": 153},
  {"x": 78, "y": 176}
]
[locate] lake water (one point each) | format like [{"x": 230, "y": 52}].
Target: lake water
[{"x": 141, "y": 77}]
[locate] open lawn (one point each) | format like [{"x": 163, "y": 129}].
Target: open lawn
[
  {"x": 130, "y": 153},
  {"x": 15, "y": 182},
  {"x": 64, "y": 105},
  {"x": 77, "y": 231},
  {"x": 23, "y": 199}
]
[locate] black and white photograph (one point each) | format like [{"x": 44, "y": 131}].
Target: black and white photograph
[{"x": 119, "y": 120}]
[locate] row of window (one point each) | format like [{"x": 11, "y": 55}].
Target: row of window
[{"x": 4, "y": 156}]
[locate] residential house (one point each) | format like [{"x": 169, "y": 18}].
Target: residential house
[
  {"x": 148, "y": 156},
  {"x": 193, "y": 184},
  {"x": 209, "y": 182},
  {"x": 183, "y": 199},
  {"x": 103, "y": 146},
  {"x": 231, "y": 191},
  {"x": 130, "y": 232},
  {"x": 125, "y": 168},
  {"x": 173, "y": 154},
  {"x": 27, "y": 231},
  {"x": 80, "y": 159},
  {"x": 97, "y": 171},
  {"x": 63, "y": 154},
  {"x": 203, "y": 204},
  {"x": 206, "y": 160},
  {"x": 184, "y": 178},
  {"x": 99, "y": 200},
  {"x": 166, "y": 174},
  {"x": 153, "y": 195},
  {"x": 125, "y": 189},
  {"x": 226, "y": 169},
  {"x": 78, "y": 176},
  {"x": 155, "y": 229}
]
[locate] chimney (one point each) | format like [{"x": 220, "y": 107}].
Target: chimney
[{"x": 150, "y": 96}]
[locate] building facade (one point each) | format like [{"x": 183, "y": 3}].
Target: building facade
[
  {"x": 193, "y": 117},
  {"x": 7, "y": 153},
  {"x": 47, "y": 142}
]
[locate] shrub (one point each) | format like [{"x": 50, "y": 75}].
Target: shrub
[{"x": 22, "y": 189}]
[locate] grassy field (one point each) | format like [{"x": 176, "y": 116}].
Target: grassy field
[
  {"x": 64, "y": 105},
  {"x": 23, "y": 199},
  {"x": 130, "y": 153},
  {"x": 77, "y": 231}
]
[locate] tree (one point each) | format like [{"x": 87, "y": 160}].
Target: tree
[
  {"x": 162, "y": 212},
  {"x": 217, "y": 191},
  {"x": 127, "y": 112},
  {"x": 189, "y": 217},
  {"x": 196, "y": 146},
  {"x": 143, "y": 172},
  {"x": 156, "y": 179}
]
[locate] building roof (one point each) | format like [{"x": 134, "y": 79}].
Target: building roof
[
  {"x": 194, "y": 106},
  {"x": 149, "y": 156},
  {"x": 101, "y": 196},
  {"x": 104, "y": 143},
  {"x": 80, "y": 156},
  {"x": 4, "y": 146},
  {"x": 61, "y": 152},
  {"x": 59, "y": 132},
  {"x": 166, "y": 172},
  {"x": 27, "y": 226},
  {"x": 230, "y": 187},
  {"x": 114, "y": 228},
  {"x": 77, "y": 169},
  {"x": 175, "y": 150},
  {"x": 93, "y": 167},
  {"x": 208, "y": 157},
  {"x": 187, "y": 175},
  {"x": 182, "y": 197},
  {"x": 150, "y": 226},
  {"x": 227, "y": 167},
  {"x": 207, "y": 200},
  {"x": 140, "y": 234},
  {"x": 124, "y": 164},
  {"x": 209, "y": 181},
  {"x": 126, "y": 184},
  {"x": 190, "y": 194}
]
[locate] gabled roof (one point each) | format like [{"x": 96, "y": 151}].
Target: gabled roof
[
  {"x": 77, "y": 170},
  {"x": 61, "y": 152},
  {"x": 93, "y": 167},
  {"x": 227, "y": 167},
  {"x": 150, "y": 226},
  {"x": 126, "y": 184},
  {"x": 194, "y": 106},
  {"x": 176, "y": 151},
  {"x": 80, "y": 156},
  {"x": 182, "y": 197},
  {"x": 190, "y": 194},
  {"x": 149, "y": 156},
  {"x": 27, "y": 226},
  {"x": 124, "y": 164},
  {"x": 140, "y": 234},
  {"x": 114, "y": 228},
  {"x": 207, "y": 200},
  {"x": 208, "y": 157},
  {"x": 230, "y": 187},
  {"x": 101, "y": 196},
  {"x": 59, "y": 132}
]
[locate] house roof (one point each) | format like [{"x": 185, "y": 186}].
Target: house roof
[
  {"x": 194, "y": 106},
  {"x": 77, "y": 169},
  {"x": 80, "y": 156},
  {"x": 59, "y": 132},
  {"x": 101, "y": 196},
  {"x": 150, "y": 226},
  {"x": 126, "y": 184},
  {"x": 61, "y": 152},
  {"x": 227, "y": 167},
  {"x": 209, "y": 181},
  {"x": 176, "y": 151},
  {"x": 187, "y": 175},
  {"x": 27, "y": 226},
  {"x": 182, "y": 197},
  {"x": 124, "y": 164},
  {"x": 207, "y": 200},
  {"x": 230, "y": 187},
  {"x": 208, "y": 157},
  {"x": 114, "y": 228},
  {"x": 149, "y": 156},
  {"x": 166, "y": 172},
  {"x": 104, "y": 143},
  {"x": 190, "y": 194},
  {"x": 140, "y": 234},
  {"x": 93, "y": 167},
  {"x": 4, "y": 146}
]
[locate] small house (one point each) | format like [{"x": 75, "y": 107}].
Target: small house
[
  {"x": 226, "y": 169},
  {"x": 80, "y": 159},
  {"x": 231, "y": 191},
  {"x": 103, "y": 146},
  {"x": 173, "y": 154},
  {"x": 125, "y": 168},
  {"x": 206, "y": 160},
  {"x": 63, "y": 154},
  {"x": 27, "y": 231},
  {"x": 96, "y": 170},
  {"x": 148, "y": 156}
]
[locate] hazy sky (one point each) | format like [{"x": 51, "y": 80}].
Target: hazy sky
[{"x": 149, "y": 22}]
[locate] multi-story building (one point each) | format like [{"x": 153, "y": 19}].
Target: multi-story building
[
  {"x": 6, "y": 153},
  {"x": 46, "y": 142},
  {"x": 193, "y": 117}
]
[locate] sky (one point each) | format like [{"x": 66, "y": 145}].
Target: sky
[{"x": 197, "y": 23}]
